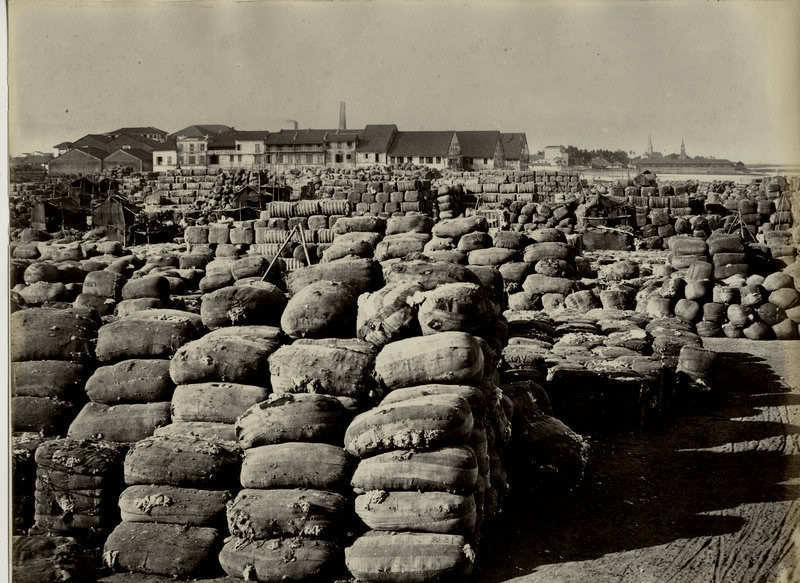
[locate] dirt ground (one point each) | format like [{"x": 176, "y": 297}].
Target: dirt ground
[{"x": 710, "y": 497}]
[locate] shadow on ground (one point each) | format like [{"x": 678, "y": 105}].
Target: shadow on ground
[{"x": 652, "y": 489}]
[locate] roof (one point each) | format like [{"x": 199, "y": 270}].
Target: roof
[
  {"x": 222, "y": 142},
  {"x": 138, "y": 130},
  {"x": 376, "y": 138},
  {"x": 169, "y": 146},
  {"x": 342, "y": 135},
  {"x": 480, "y": 144},
  {"x": 246, "y": 135},
  {"x": 94, "y": 152},
  {"x": 126, "y": 204},
  {"x": 63, "y": 145},
  {"x": 289, "y": 137},
  {"x": 512, "y": 145},
  {"x": 136, "y": 153},
  {"x": 421, "y": 144},
  {"x": 311, "y": 136},
  {"x": 94, "y": 140},
  {"x": 64, "y": 202},
  {"x": 138, "y": 142},
  {"x": 202, "y": 130}
]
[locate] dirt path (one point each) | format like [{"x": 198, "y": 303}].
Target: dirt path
[{"x": 713, "y": 497}]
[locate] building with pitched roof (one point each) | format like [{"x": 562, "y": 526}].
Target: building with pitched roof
[
  {"x": 149, "y": 133},
  {"x": 165, "y": 157},
  {"x": 132, "y": 159},
  {"x": 192, "y": 143},
  {"x": 288, "y": 149},
  {"x": 515, "y": 150},
  {"x": 373, "y": 144},
  {"x": 84, "y": 161},
  {"x": 424, "y": 148}
]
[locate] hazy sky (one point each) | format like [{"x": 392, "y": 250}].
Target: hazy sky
[{"x": 725, "y": 76}]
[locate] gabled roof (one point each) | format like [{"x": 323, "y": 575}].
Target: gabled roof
[
  {"x": 481, "y": 144},
  {"x": 63, "y": 145},
  {"x": 140, "y": 154},
  {"x": 93, "y": 152},
  {"x": 512, "y": 145},
  {"x": 376, "y": 138},
  {"x": 201, "y": 130},
  {"x": 421, "y": 144}
]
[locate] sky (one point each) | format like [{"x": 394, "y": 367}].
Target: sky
[{"x": 724, "y": 76}]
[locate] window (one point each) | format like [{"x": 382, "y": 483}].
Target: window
[
  {"x": 438, "y": 159},
  {"x": 230, "y": 158},
  {"x": 309, "y": 158},
  {"x": 269, "y": 158},
  {"x": 202, "y": 147},
  {"x": 258, "y": 148},
  {"x": 238, "y": 147},
  {"x": 349, "y": 157},
  {"x": 213, "y": 159},
  {"x": 191, "y": 160},
  {"x": 239, "y": 158},
  {"x": 159, "y": 160},
  {"x": 486, "y": 160},
  {"x": 191, "y": 148},
  {"x": 376, "y": 157},
  {"x": 429, "y": 160},
  {"x": 284, "y": 158},
  {"x": 410, "y": 159},
  {"x": 338, "y": 158}
]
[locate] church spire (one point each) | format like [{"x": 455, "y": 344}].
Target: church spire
[
  {"x": 650, "y": 145},
  {"x": 683, "y": 149}
]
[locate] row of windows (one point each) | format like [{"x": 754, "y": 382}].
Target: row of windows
[
  {"x": 306, "y": 159},
  {"x": 410, "y": 159},
  {"x": 425, "y": 159}
]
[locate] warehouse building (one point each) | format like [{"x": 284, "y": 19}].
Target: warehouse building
[
  {"x": 221, "y": 147},
  {"x": 131, "y": 159},
  {"x": 78, "y": 161}
]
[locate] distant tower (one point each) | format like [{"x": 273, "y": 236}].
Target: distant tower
[
  {"x": 683, "y": 149},
  {"x": 650, "y": 145},
  {"x": 342, "y": 117}
]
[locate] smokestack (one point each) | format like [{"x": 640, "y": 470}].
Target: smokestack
[{"x": 342, "y": 117}]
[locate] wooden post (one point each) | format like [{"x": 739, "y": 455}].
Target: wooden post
[
  {"x": 280, "y": 250},
  {"x": 303, "y": 243}
]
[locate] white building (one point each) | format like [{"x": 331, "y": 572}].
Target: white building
[{"x": 556, "y": 156}]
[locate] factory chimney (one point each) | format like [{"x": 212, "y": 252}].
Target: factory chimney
[{"x": 342, "y": 118}]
